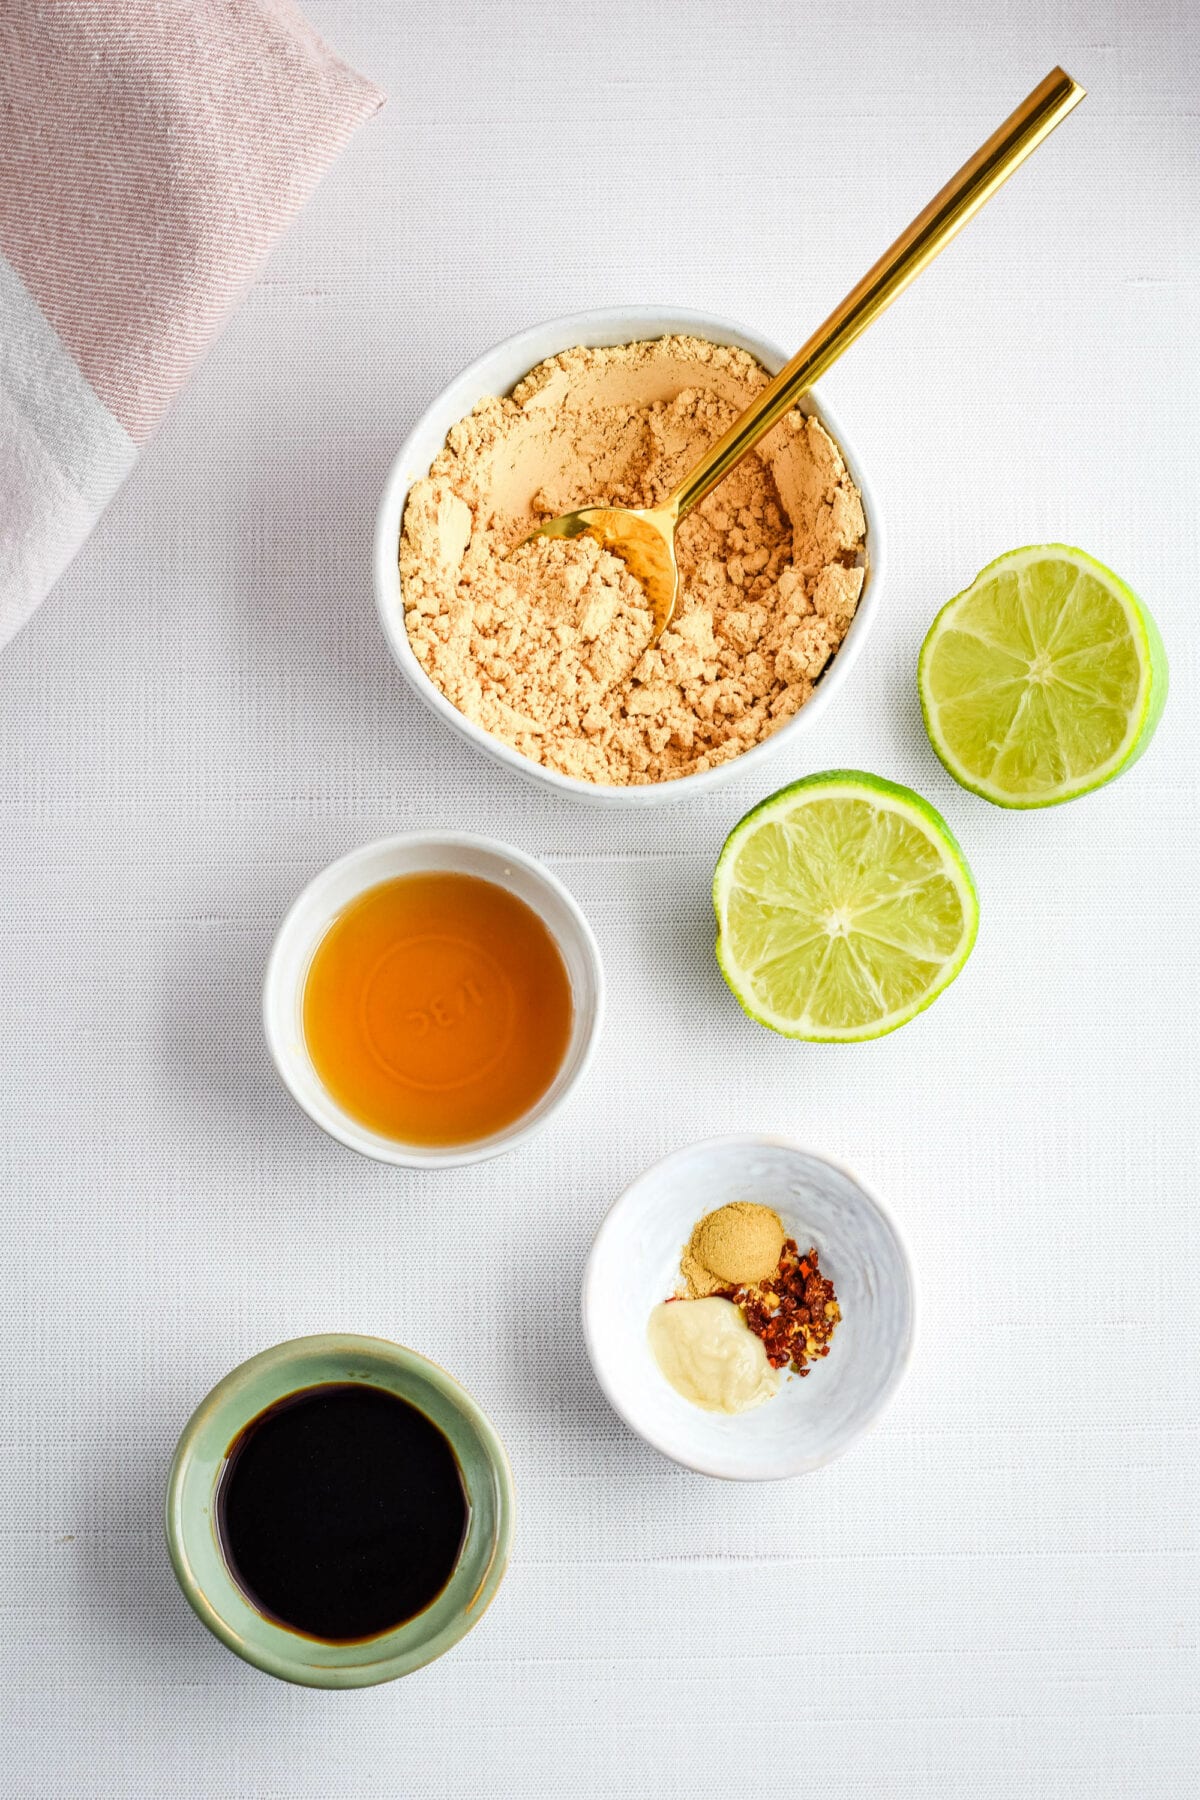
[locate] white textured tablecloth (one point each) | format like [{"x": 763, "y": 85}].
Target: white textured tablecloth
[{"x": 995, "y": 1594}]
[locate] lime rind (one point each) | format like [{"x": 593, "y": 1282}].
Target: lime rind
[
  {"x": 885, "y": 796},
  {"x": 1143, "y": 714}
]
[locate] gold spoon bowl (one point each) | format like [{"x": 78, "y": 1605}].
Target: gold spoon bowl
[{"x": 497, "y": 372}]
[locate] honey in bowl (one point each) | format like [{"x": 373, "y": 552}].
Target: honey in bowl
[{"x": 437, "y": 1009}]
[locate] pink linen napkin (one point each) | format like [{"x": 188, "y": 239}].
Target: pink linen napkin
[{"x": 151, "y": 154}]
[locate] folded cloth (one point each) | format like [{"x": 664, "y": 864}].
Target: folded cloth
[{"x": 151, "y": 153}]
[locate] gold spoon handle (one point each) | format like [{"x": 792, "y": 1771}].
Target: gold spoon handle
[{"x": 930, "y": 231}]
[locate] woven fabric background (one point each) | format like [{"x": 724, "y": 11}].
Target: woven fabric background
[{"x": 996, "y": 1594}]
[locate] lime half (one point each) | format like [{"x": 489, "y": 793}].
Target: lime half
[
  {"x": 844, "y": 906},
  {"x": 1043, "y": 680}
]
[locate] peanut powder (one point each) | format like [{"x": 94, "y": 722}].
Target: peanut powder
[{"x": 549, "y": 648}]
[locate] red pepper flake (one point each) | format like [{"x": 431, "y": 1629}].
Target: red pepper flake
[{"x": 795, "y": 1313}]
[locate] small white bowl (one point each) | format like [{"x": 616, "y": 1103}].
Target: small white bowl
[
  {"x": 634, "y": 1264},
  {"x": 498, "y": 372},
  {"x": 326, "y": 895}
]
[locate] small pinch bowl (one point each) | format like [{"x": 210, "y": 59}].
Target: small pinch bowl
[
  {"x": 634, "y": 1264},
  {"x": 498, "y": 372},
  {"x": 311, "y": 915},
  {"x": 196, "y": 1470}
]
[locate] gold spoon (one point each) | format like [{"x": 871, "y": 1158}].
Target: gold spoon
[{"x": 644, "y": 537}]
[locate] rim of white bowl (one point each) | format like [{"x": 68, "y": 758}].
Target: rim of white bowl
[
  {"x": 604, "y": 326},
  {"x": 280, "y": 997},
  {"x": 883, "y": 1399}
]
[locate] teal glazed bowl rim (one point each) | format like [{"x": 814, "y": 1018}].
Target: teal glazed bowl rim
[{"x": 195, "y": 1472}]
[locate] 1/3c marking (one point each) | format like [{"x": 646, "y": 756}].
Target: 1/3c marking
[{"x": 446, "y": 1012}]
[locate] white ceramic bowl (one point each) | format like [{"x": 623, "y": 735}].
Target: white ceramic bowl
[
  {"x": 498, "y": 372},
  {"x": 333, "y": 889},
  {"x": 634, "y": 1264}
]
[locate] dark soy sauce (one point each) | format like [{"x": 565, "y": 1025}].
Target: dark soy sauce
[{"x": 341, "y": 1511}]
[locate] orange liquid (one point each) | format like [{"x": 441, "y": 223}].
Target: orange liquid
[{"x": 437, "y": 1008}]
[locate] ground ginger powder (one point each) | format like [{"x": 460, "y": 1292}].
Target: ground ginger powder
[
  {"x": 549, "y": 649},
  {"x": 736, "y": 1246}
]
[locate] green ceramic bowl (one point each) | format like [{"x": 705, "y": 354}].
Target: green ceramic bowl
[{"x": 196, "y": 1470}]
